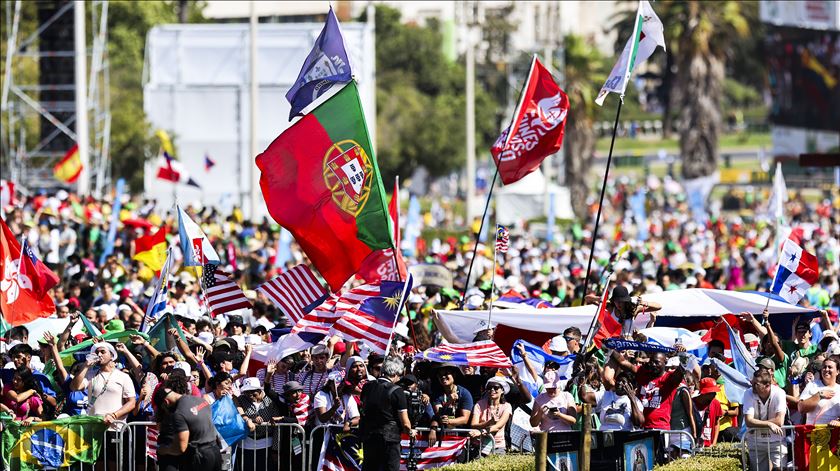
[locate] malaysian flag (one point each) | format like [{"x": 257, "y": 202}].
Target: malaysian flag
[
  {"x": 222, "y": 294},
  {"x": 502, "y": 239},
  {"x": 484, "y": 353},
  {"x": 341, "y": 451},
  {"x": 429, "y": 457},
  {"x": 295, "y": 292},
  {"x": 368, "y": 313}
]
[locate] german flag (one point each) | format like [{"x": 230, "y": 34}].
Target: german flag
[
  {"x": 151, "y": 250},
  {"x": 68, "y": 169}
]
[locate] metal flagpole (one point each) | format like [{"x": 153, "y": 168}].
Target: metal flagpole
[
  {"x": 493, "y": 280},
  {"x": 601, "y": 199},
  {"x": 478, "y": 236}
]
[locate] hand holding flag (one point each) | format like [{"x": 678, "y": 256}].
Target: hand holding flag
[{"x": 797, "y": 271}]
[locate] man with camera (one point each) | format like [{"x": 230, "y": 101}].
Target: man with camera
[{"x": 384, "y": 416}]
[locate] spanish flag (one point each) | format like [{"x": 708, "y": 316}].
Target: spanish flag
[
  {"x": 151, "y": 250},
  {"x": 68, "y": 169}
]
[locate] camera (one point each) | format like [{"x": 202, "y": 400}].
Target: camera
[{"x": 416, "y": 409}]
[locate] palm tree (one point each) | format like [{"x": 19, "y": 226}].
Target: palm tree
[
  {"x": 584, "y": 69},
  {"x": 700, "y": 36}
]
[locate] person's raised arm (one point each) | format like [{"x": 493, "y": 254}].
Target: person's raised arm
[
  {"x": 774, "y": 340},
  {"x": 78, "y": 382},
  {"x": 528, "y": 364},
  {"x": 132, "y": 363},
  {"x": 243, "y": 368},
  {"x": 201, "y": 366},
  {"x": 622, "y": 362},
  {"x": 762, "y": 331},
  {"x": 443, "y": 328},
  {"x": 65, "y": 335},
  {"x": 182, "y": 345},
  {"x": 56, "y": 357},
  {"x": 138, "y": 340}
]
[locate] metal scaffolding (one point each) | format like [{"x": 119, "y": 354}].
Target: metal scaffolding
[{"x": 28, "y": 160}]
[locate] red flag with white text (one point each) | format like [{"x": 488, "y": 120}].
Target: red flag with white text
[{"x": 539, "y": 123}]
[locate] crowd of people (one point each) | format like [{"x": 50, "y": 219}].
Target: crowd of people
[{"x": 339, "y": 382}]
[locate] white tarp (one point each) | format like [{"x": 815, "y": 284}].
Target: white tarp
[{"x": 676, "y": 303}]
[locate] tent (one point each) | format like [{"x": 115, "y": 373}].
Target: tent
[
  {"x": 679, "y": 308},
  {"x": 525, "y": 200}
]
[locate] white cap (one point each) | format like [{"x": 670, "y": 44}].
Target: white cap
[
  {"x": 250, "y": 384},
  {"x": 206, "y": 337},
  {"x": 673, "y": 362},
  {"x": 483, "y": 325},
  {"x": 106, "y": 346},
  {"x": 558, "y": 344},
  {"x": 183, "y": 366}
]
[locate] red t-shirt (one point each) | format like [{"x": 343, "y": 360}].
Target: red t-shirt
[
  {"x": 657, "y": 396},
  {"x": 713, "y": 413}
]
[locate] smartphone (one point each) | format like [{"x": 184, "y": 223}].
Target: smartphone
[{"x": 554, "y": 409}]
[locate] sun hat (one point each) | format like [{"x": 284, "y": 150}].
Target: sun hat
[
  {"x": 252, "y": 384},
  {"x": 500, "y": 381}
]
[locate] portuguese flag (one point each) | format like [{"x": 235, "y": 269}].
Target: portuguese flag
[{"x": 321, "y": 182}]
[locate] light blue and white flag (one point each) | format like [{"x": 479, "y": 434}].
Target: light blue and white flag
[
  {"x": 157, "y": 303},
  {"x": 538, "y": 358},
  {"x": 197, "y": 249}
]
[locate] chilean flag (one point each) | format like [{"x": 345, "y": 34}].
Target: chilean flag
[{"x": 797, "y": 271}]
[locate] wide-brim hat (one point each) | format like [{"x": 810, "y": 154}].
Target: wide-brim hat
[
  {"x": 457, "y": 373},
  {"x": 500, "y": 381}
]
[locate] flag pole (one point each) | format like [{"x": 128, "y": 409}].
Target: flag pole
[
  {"x": 601, "y": 201},
  {"x": 510, "y": 131},
  {"x": 493, "y": 281},
  {"x": 394, "y": 247},
  {"x": 478, "y": 236}
]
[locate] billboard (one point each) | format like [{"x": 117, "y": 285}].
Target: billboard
[{"x": 196, "y": 88}]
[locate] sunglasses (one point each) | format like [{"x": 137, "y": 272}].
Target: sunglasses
[
  {"x": 495, "y": 387},
  {"x": 569, "y": 339}
]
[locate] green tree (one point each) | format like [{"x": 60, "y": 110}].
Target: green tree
[
  {"x": 132, "y": 140},
  {"x": 420, "y": 101},
  {"x": 584, "y": 73},
  {"x": 706, "y": 41}
]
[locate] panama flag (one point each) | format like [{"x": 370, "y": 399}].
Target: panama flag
[
  {"x": 797, "y": 269},
  {"x": 196, "y": 247},
  {"x": 647, "y": 34}
]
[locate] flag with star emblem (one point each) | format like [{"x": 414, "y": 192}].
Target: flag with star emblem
[
  {"x": 797, "y": 271},
  {"x": 24, "y": 282},
  {"x": 502, "y": 239},
  {"x": 368, "y": 313},
  {"x": 483, "y": 353},
  {"x": 222, "y": 293}
]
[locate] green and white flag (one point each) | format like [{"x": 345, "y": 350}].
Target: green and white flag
[{"x": 647, "y": 34}]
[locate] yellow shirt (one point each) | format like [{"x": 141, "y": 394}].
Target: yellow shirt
[{"x": 725, "y": 421}]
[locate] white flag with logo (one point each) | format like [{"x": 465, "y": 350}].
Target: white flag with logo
[{"x": 647, "y": 34}]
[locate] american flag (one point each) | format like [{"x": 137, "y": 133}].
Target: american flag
[
  {"x": 301, "y": 409},
  {"x": 151, "y": 441},
  {"x": 502, "y": 239},
  {"x": 484, "y": 353},
  {"x": 320, "y": 320},
  {"x": 369, "y": 312},
  {"x": 295, "y": 292},
  {"x": 429, "y": 457},
  {"x": 222, "y": 293}
]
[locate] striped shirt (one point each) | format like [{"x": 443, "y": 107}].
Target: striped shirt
[{"x": 278, "y": 380}]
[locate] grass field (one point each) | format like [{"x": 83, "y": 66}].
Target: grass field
[{"x": 644, "y": 146}]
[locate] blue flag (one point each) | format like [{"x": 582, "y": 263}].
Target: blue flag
[
  {"x": 326, "y": 64},
  {"x": 538, "y": 358},
  {"x": 228, "y": 422},
  {"x": 115, "y": 219}
]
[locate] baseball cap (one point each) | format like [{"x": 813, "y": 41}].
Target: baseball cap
[
  {"x": 709, "y": 385},
  {"x": 320, "y": 349},
  {"x": 620, "y": 294},
  {"x": 183, "y": 366},
  {"x": 251, "y": 384},
  {"x": 291, "y": 386},
  {"x": 766, "y": 363},
  {"x": 558, "y": 344}
]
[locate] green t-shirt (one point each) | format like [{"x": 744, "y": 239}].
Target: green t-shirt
[{"x": 791, "y": 350}]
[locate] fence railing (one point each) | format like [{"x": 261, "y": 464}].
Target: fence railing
[
  {"x": 762, "y": 449},
  {"x": 133, "y": 447}
]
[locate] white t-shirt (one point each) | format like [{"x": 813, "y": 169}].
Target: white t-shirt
[
  {"x": 106, "y": 391},
  {"x": 564, "y": 401},
  {"x": 765, "y": 410},
  {"x": 615, "y": 410},
  {"x": 348, "y": 410},
  {"x": 827, "y": 409}
]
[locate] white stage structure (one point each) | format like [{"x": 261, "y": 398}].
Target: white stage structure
[{"x": 196, "y": 87}]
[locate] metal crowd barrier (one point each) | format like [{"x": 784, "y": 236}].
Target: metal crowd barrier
[
  {"x": 679, "y": 433},
  {"x": 760, "y": 448},
  {"x": 315, "y": 451},
  {"x": 272, "y": 448}
]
